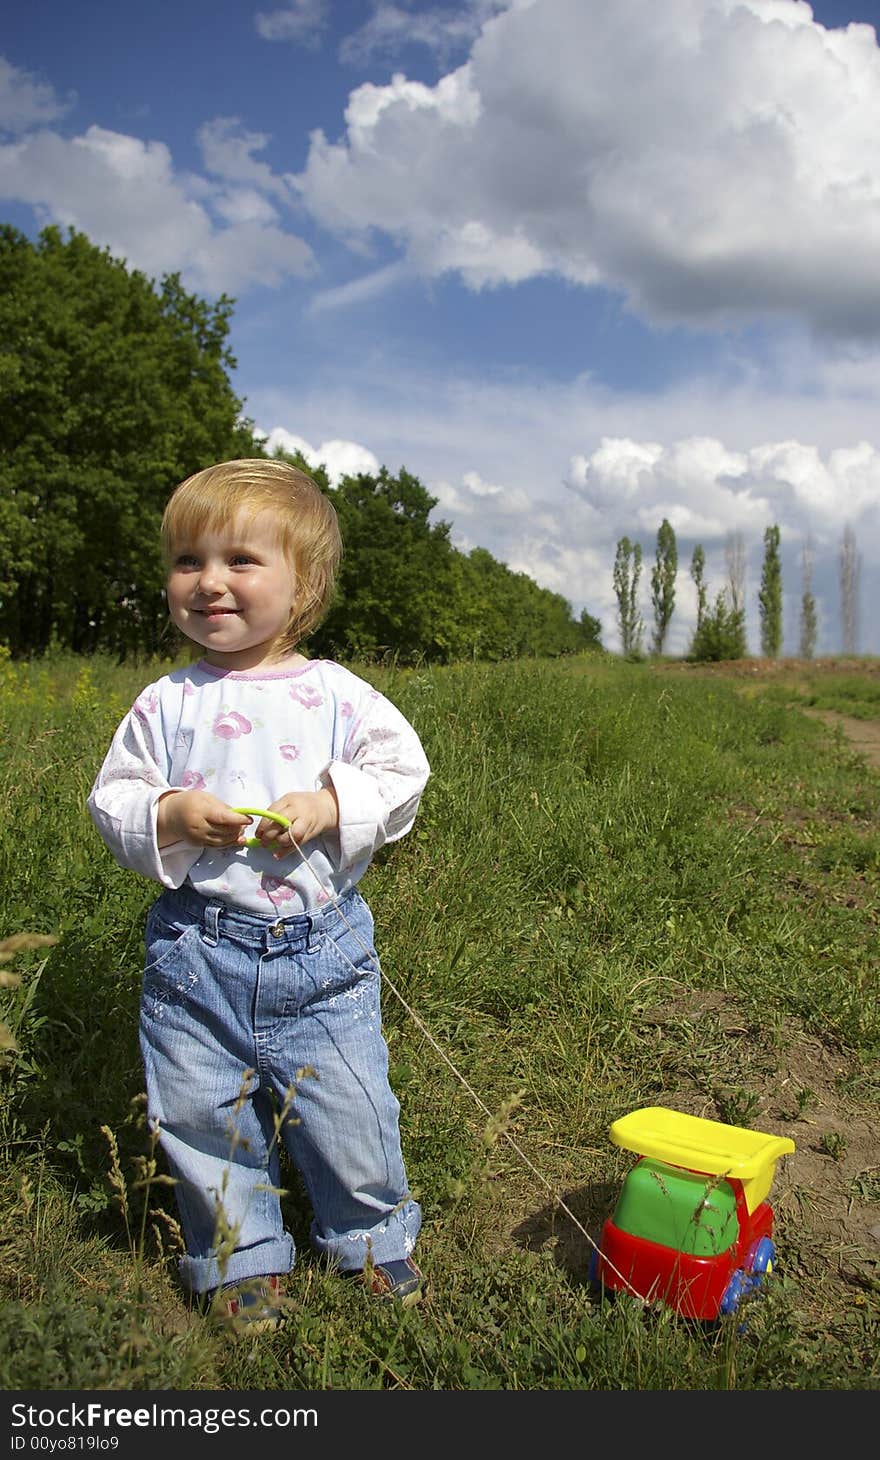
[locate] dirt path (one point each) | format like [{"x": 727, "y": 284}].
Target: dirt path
[
  {"x": 751, "y": 674},
  {"x": 863, "y": 735}
]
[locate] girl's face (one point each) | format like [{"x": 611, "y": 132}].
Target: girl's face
[{"x": 232, "y": 591}]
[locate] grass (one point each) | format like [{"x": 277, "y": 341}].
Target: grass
[
  {"x": 622, "y": 889},
  {"x": 857, "y": 695},
  {"x": 846, "y": 686}
]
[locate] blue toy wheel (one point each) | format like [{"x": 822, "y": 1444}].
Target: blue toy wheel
[
  {"x": 763, "y": 1258},
  {"x": 593, "y": 1270},
  {"x": 748, "y": 1281},
  {"x": 733, "y": 1293}
]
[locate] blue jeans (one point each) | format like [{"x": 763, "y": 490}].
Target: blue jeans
[{"x": 256, "y": 1033}]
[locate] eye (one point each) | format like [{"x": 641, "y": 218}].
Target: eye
[
  {"x": 185, "y": 560},
  {"x": 241, "y": 560}
]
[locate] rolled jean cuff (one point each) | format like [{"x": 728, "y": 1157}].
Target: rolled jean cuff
[
  {"x": 389, "y": 1241},
  {"x": 201, "y": 1274}
]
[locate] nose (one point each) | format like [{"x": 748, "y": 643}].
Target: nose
[{"x": 210, "y": 579}]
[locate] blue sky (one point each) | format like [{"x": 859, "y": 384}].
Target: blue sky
[{"x": 579, "y": 266}]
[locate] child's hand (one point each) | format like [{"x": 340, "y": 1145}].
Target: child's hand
[
  {"x": 197, "y": 816},
  {"x": 309, "y": 812}
]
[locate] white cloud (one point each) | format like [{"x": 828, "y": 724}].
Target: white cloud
[
  {"x": 709, "y": 159},
  {"x": 443, "y": 30},
  {"x": 116, "y": 188},
  {"x": 244, "y": 205},
  {"x": 394, "y": 124},
  {"x": 358, "y": 291},
  {"x": 228, "y": 153},
  {"x": 705, "y": 490},
  {"x": 469, "y": 501},
  {"x": 248, "y": 255},
  {"x": 127, "y": 194},
  {"x": 339, "y": 458},
  {"x": 301, "y": 21},
  {"x": 615, "y": 470},
  {"x": 26, "y": 102},
  {"x": 475, "y": 484}
]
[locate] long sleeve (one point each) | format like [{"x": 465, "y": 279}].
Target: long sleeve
[
  {"x": 378, "y": 781},
  {"x": 250, "y": 739},
  {"x": 123, "y": 804}
]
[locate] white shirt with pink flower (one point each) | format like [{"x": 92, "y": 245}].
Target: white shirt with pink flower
[{"x": 250, "y": 739}]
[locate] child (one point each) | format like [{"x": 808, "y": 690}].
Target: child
[{"x": 260, "y": 1005}]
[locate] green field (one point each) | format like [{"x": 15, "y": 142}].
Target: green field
[{"x": 625, "y": 887}]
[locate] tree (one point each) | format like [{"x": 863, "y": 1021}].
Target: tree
[
  {"x": 721, "y": 633},
  {"x": 396, "y": 581},
  {"x": 591, "y": 631},
  {"x": 735, "y": 561},
  {"x": 808, "y": 603},
  {"x": 111, "y": 391},
  {"x": 663, "y": 576},
  {"x": 698, "y": 573},
  {"x": 770, "y": 595},
  {"x": 627, "y": 569},
  {"x": 850, "y": 572}
]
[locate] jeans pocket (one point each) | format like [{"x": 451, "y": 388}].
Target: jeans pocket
[
  {"x": 348, "y": 952},
  {"x": 171, "y": 971}
]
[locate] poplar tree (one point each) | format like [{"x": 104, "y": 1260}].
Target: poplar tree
[
  {"x": 735, "y": 562},
  {"x": 663, "y": 576},
  {"x": 808, "y": 604},
  {"x": 627, "y": 570},
  {"x": 770, "y": 595},
  {"x": 850, "y": 572},
  {"x": 698, "y": 573}
]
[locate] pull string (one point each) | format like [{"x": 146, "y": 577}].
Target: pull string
[{"x": 420, "y": 1024}]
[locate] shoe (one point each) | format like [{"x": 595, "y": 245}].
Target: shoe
[
  {"x": 252, "y": 1305},
  {"x": 401, "y": 1282}
]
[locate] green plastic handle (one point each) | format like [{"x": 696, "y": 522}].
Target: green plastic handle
[{"x": 254, "y": 841}]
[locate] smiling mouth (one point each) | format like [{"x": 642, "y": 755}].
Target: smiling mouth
[{"x": 216, "y": 612}]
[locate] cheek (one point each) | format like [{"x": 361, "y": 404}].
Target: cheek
[
  {"x": 286, "y": 589},
  {"x": 176, "y": 598}
]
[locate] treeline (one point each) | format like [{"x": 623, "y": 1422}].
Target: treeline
[
  {"x": 112, "y": 390},
  {"x": 403, "y": 587},
  {"x": 720, "y": 630}
]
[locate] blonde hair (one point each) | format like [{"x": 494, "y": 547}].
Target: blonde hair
[{"x": 304, "y": 519}]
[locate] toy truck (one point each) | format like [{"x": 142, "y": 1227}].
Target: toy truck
[{"x": 692, "y": 1227}]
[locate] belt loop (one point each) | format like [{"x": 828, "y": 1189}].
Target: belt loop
[
  {"x": 315, "y": 933},
  {"x": 211, "y": 932}
]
